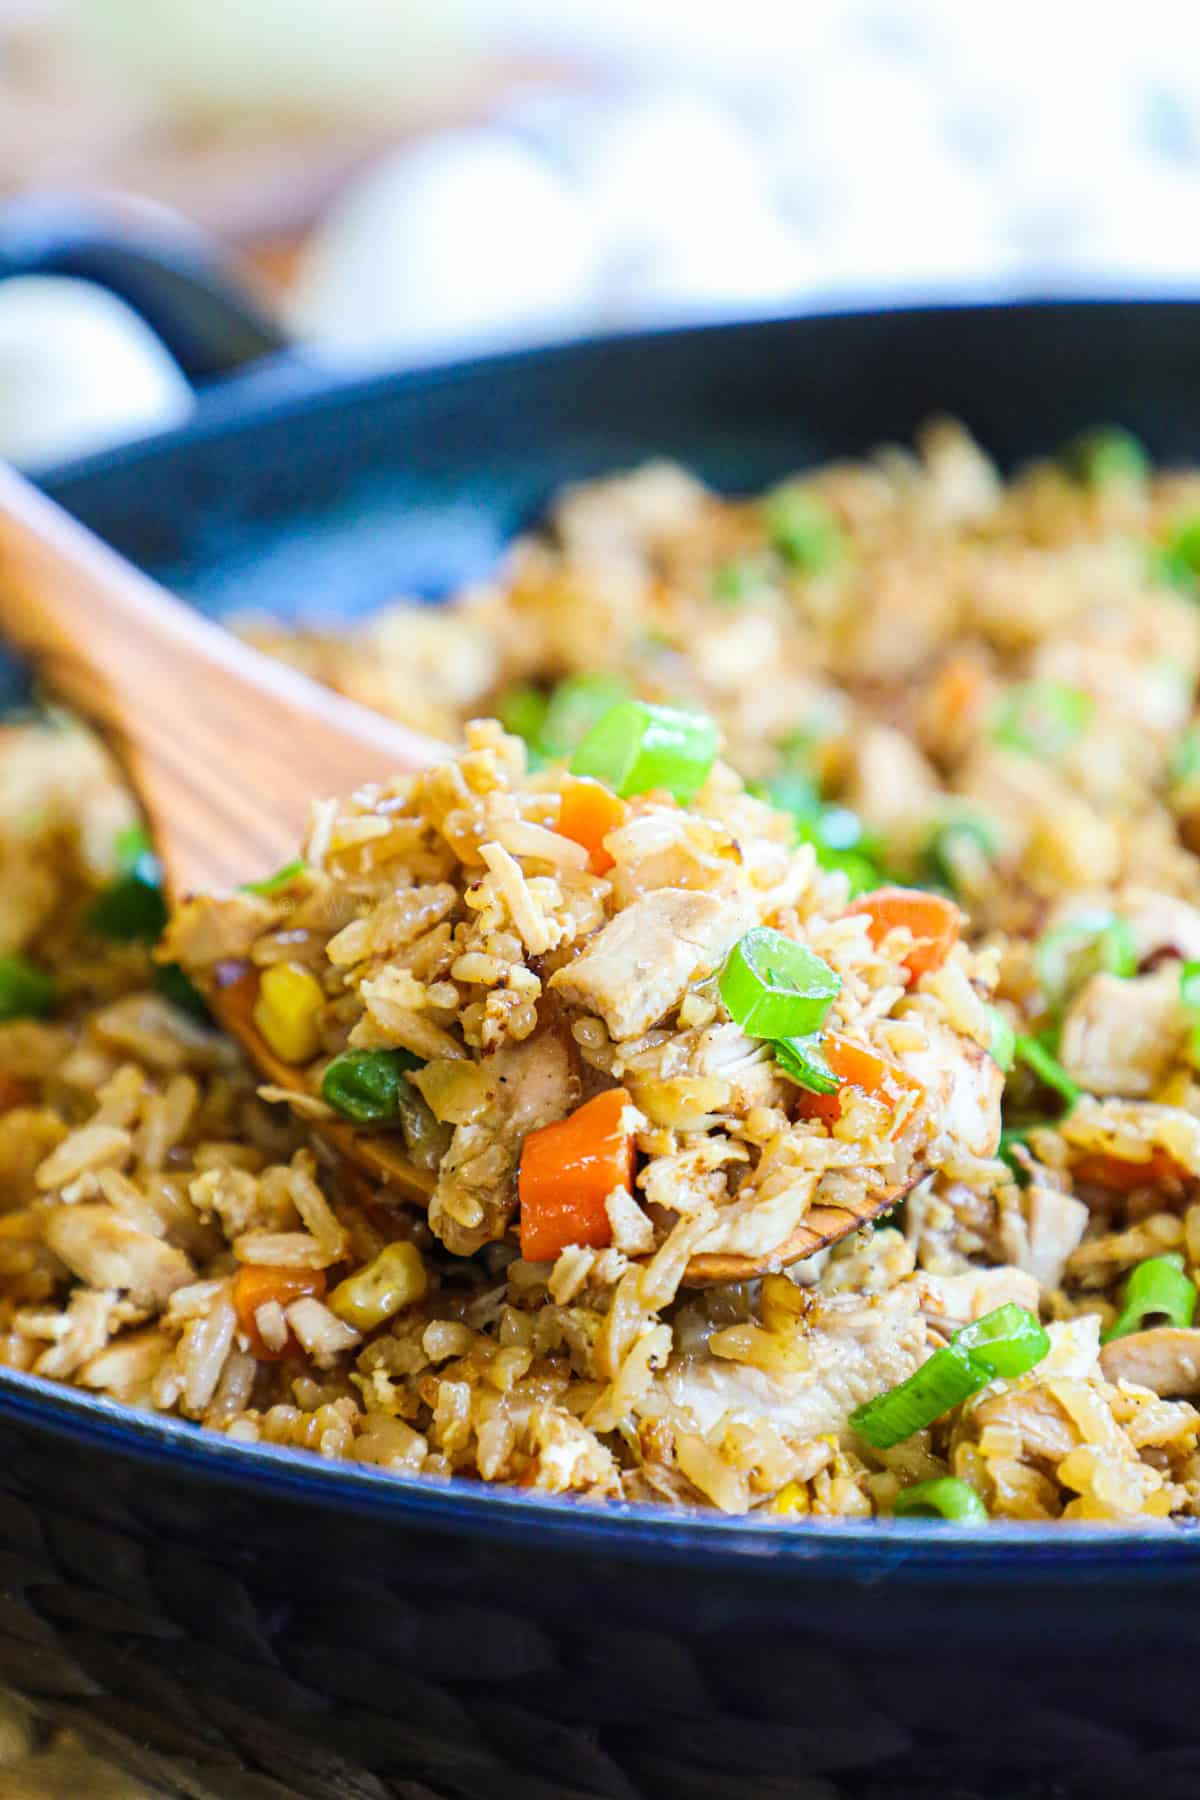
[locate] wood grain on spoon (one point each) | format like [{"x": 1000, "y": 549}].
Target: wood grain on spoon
[{"x": 225, "y": 749}]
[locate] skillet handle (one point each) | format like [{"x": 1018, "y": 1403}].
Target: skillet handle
[{"x": 182, "y": 285}]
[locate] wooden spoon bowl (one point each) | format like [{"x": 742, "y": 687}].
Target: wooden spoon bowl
[{"x": 226, "y": 749}]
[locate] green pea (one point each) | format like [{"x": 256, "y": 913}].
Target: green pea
[
  {"x": 131, "y": 908},
  {"x": 803, "y": 530},
  {"x": 1107, "y": 455},
  {"x": 26, "y": 992},
  {"x": 368, "y": 1086}
]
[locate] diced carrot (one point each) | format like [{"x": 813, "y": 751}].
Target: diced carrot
[
  {"x": 958, "y": 687},
  {"x": 255, "y": 1284},
  {"x": 856, "y": 1066},
  {"x": 567, "y": 1171},
  {"x": 14, "y": 1092},
  {"x": 589, "y": 812},
  {"x": 1100, "y": 1170},
  {"x": 933, "y": 922}
]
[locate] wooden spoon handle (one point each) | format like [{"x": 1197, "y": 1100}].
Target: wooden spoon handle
[{"x": 225, "y": 747}]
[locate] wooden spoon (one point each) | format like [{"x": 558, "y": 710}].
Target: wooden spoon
[{"x": 226, "y": 748}]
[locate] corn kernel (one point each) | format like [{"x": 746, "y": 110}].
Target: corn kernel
[
  {"x": 287, "y": 1013},
  {"x": 791, "y": 1501},
  {"x": 392, "y": 1280}
]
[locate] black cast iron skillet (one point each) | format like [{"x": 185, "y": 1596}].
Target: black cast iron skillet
[{"x": 287, "y": 1626}]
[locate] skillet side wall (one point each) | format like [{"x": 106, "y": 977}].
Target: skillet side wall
[{"x": 345, "y": 1655}]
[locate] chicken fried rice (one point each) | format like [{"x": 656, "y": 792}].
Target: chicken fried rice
[{"x": 783, "y": 1014}]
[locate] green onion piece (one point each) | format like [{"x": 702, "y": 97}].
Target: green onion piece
[
  {"x": 1178, "y": 559},
  {"x": 26, "y": 992},
  {"x": 946, "y": 1379},
  {"x": 368, "y": 1086},
  {"x": 944, "y": 1498},
  {"x": 130, "y": 843},
  {"x": 275, "y": 884},
  {"x": 171, "y": 982},
  {"x": 521, "y": 709},
  {"x": 1156, "y": 1289},
  {"x": 1189, "y": 986},
  {"x": 1002, "y": 1045},
  {"x": 803, "y": 1060},
  {"x": 1010, "y": 1137},
  {"x": 1006, "y": 1342},
  {"x": 637, "y": 746},
  {"x": 863, "y": 875},
  {"x": 1185, "y": 757},
  {"x": 131, "y": 907},
  {"x": 1041, "y": 718},
  {"x": 803, "y": 530},
  {"x": 950, "y": 845},
  {"x": 1070, "y": 954},
  {"x": 575, "y": 706},
  {"x": 740, "y": 579},
  {"x": 1046, "y": 1066},
  {"x": 774, "y": 987},
  {"x": 794, "y": 792},
  {"x": 1108, "y": 453},
  {"x": 1189, "y": 994}
]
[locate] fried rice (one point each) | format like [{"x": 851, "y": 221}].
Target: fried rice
[{"x": 931, "y": 688}]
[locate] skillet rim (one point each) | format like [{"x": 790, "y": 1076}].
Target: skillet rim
[{"x": 288, "y": 385}]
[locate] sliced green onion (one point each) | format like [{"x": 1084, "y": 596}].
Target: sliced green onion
[
  {"x": 1041, "y": 718},
  {"x": 740, "y": 579},
  {"x": 803, "y": 1060},
  {"x": 943, "y": 1498},
  {"x": 1002, "y": 1045},
  {"x": 1070, "y": 954},
  {"x": 521, "y": 709},
  {"x": 803, "y": 529},
  {"x": 1189, "y": 995},
  {"x": 1046, "y": 1066},
  {"x": 1107, "y": 453},
  {"x": 636, "y": 747},
  {"x": 774, "y": 987},
  {"x": 970, "y": 835},
  {"x": 1178, "y": 559},
  {"x": 1004, "y": 1343},
  {"x": 793, "y": 791},
  {"x": 26, "y": 992},
  {"x": 171, "y": 982},
  {"x": 1185, "y": 757},
  {"x": 941, "y": 1383},
  {"x": 276, "y": 883},
  {"x": 131, "y": 842},
  {"x": 1156, "y": 1289},
  {"x": 1010, "y": 1137},
  {"x": 131, "y": 907},
  {"x": 368, "y": 1086},
  {"x": 575, "y": 706}
]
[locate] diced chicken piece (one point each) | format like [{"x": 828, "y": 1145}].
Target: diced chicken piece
[
  {"x": 1133, "y": 1131},
  {"x": 892, "y": 787},
  {"x": 534, "y": 1083},
  {"x": 1121, "y": 1037},
  {"x": 858, "y": 1348},
  {"x": 1165, "y": 1359},
  {"x": 954, "y": 1300},
  {"x": 1161, "y": 923},
  {"x": 964, "y": 483},
  {"x": 639, "y": 965},
  {"x": 1055, "y": 1224},
  {"x": 963, "y": 1085},
  {"x": 205, "y": 931},
  {"x": 106, "y": 1251}
]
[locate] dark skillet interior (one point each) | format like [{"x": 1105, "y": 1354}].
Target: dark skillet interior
[{"x": 166, "y": 1586}]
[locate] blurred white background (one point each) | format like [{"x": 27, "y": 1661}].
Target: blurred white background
[{"x": 516, "y": 170}]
